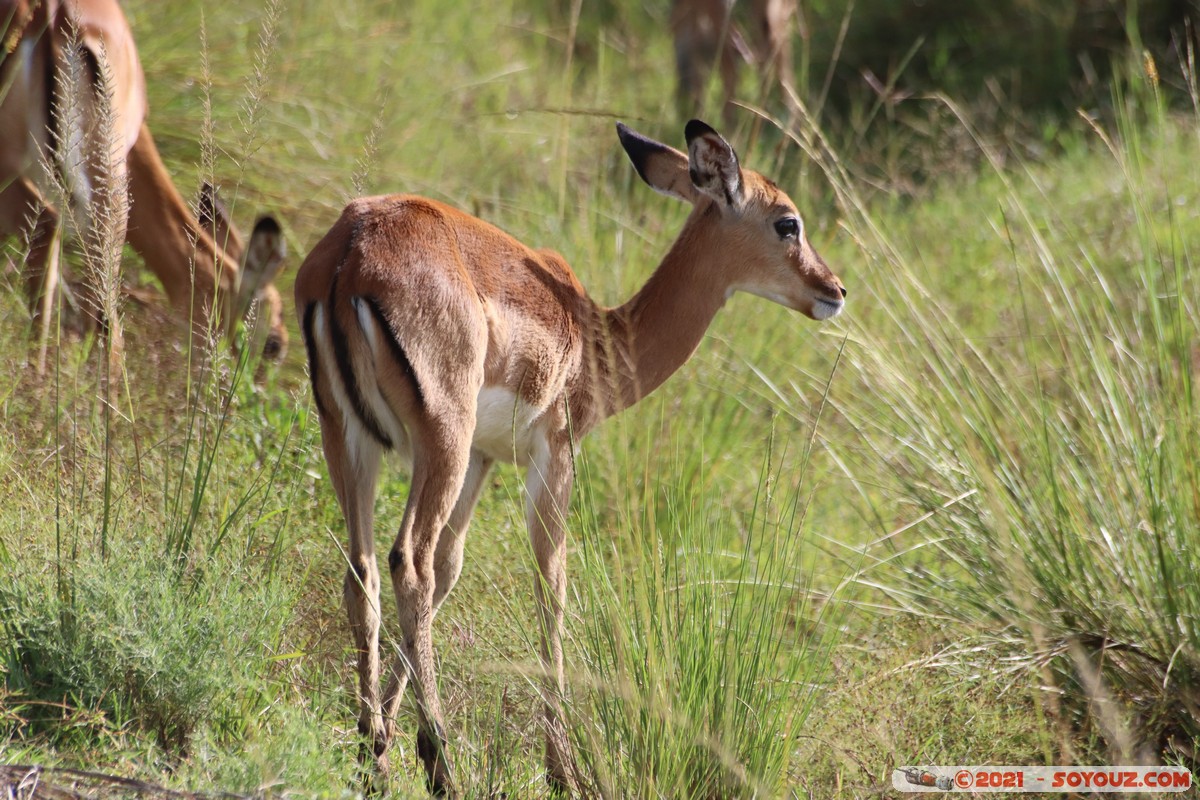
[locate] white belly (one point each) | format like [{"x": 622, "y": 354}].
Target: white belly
[{"x": 504, "y": 426}]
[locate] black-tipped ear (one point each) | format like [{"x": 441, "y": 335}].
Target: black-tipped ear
[
  {"x": 266, "y": 225},
  {"x": 215, "y": 219},
  {"x": 713, "y": 164},
  {"x": 207, "y": 204},
  {"x": 265, "y": 255},
  {"x": 210, "y": 208},
  {"x": 663, "y": 168},
  {"x": 639, "y": 148},
  {"x": 697, "y": 128}
]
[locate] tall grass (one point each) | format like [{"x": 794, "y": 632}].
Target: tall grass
[
  {"x": 1052, "y": 463},
  {"x": 700, "y": 650}
]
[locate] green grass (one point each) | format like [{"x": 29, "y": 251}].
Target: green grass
[
  {"x": 956, "y": 525},
  {"x": 1058, "y": 462}
]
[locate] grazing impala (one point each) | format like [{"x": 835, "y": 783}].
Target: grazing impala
[
  {"x": 433, "y": 334},
  {"x": 197, "y": 271}
]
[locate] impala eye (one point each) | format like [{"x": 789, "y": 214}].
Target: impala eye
[{"x": 788, "y": 228}]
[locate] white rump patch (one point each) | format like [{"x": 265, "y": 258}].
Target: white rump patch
[
  {"x": 369, "y": 384},
  {"x": 360, "y": 445}
]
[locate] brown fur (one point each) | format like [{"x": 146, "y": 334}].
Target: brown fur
[{"x": 492, "y": 351}]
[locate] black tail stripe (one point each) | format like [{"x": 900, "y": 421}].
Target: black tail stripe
[
  {"x": 394, "y": 346},
  {"x": 310, "y": 346},
  {"x": 341, "y": 353}
]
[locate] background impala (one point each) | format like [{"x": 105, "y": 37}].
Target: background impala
[{"x": 73, "y": 101}]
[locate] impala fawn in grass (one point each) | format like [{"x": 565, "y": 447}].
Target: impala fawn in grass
[
  {"x": 73, "y": 97},
  {"x": 433, "y": 334}
]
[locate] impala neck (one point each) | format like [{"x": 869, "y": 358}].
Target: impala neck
[
  {"x": 653, "y": 334},
  {"x": 163, "y": 230}
]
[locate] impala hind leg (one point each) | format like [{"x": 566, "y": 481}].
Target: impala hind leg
[
  {"x": 441, "y": 455},
  {"x": 354, "y": 471},
  {"x": 447, "y": 565}
]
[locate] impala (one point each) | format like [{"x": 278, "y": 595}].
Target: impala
[
  {"x": 435, "y": 335},
  {"x": 103, "y": 143},
  {"x": 706, "y": 36}
]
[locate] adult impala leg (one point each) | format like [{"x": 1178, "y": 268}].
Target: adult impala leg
[
  {"x": 548, "y": 489},
  {"x": 774, "y": 24},
  {"x": 447, "y": 565},
  {"x": 354, "y": 475},
  {"x": 441, "y": 454},
  {"x": 198, "y": 286},
  {"x": 25, "y": 213}
]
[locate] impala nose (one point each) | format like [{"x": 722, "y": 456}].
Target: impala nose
[{"x": 830, "y": 299}]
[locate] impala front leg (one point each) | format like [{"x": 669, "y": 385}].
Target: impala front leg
[
  {"x": 548, "y": 486},
  {"x": 24, "y": 212}
]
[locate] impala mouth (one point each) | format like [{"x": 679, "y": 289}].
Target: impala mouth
[{"x": 823, "y": 309}]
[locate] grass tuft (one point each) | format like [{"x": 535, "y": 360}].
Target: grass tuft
[
  {"x": 701, "y": 653},
  {"x": 134, "y": 646}
]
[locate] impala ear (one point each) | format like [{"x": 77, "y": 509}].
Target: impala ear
[
  {"x": 264, "y": 257},
  {"x": 664, "y": 168},
  {"x": 216, "y": 222},
  {"x": 712, "y": 165}
]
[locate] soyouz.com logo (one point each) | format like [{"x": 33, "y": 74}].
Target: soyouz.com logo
[{"x": 980, "y": 780}]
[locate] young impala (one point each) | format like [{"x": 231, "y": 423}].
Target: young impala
[
  {"x": 431, "y": 333},
  {"x": 72, "y": 93}
]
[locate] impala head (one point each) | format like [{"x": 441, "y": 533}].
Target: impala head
[
  {"x": 259, "y": 260},
  {"x": 742, "y": 214}
]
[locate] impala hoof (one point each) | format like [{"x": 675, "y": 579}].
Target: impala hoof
[
  {"x": 431, "y": 749},
  {"x": 560, "y": 786},
  {"x": 376, "y": 775}
]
